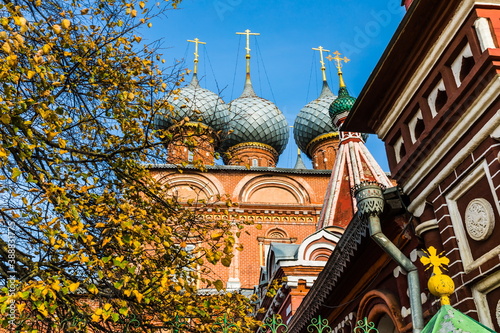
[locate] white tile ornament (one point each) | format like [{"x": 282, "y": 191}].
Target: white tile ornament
[{"x": 479, "y": 219}]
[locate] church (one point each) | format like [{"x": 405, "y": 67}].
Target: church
[
  {"x": 250, "y": 133},
  {"x": 343, "y": 242}
]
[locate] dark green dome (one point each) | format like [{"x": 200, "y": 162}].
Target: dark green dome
[{"x": 341, "y": 105}]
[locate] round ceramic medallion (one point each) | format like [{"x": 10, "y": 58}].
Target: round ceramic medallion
[{"x": 479, "y": 219}]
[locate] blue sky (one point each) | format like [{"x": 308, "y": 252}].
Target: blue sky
[{"x": 285, "y": 69}]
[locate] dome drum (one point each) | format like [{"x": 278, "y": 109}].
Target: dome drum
[
  {"x": 323, "y": 150},
  {"x": 192, "y": 143},
  {"x": 254, "y": 154}
]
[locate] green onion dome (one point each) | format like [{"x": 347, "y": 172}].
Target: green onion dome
[{"x": 340, "y": 108}]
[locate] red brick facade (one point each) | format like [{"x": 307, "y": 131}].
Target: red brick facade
[{"x": 285, "y": 202}]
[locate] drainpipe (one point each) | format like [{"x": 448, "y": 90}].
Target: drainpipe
[{"x": 370, "y": 203}]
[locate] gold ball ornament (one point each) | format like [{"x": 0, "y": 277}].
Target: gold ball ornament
[{"x": 441, "y": 285}]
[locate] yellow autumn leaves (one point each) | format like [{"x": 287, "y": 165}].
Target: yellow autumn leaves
[
  {"x": 65, "y": 24},
  {"x": 102, "y": 240}
]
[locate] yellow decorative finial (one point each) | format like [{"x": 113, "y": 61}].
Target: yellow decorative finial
[
  {"x": 196, "y": 41},
  {"x": 439, "y": 284},
  {"x": 338, "y": 64},
  {"x": 322, "y": 62}
]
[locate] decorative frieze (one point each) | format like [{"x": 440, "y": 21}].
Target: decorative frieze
[{"x": 263, "y": 218}]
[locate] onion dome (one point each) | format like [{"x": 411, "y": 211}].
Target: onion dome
[
  {"x": 340, "y": 108},
  {"x": 198, "y": 105},
  {"x": 195, "y": 103},
  {"x": 253, "y": 119},
  {"x": 313, "y": 119}
]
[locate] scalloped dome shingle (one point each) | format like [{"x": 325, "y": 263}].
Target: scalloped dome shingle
[
  {"x": 314, "y": 120},
  {"x": 255, "y": 119},
  {"x": 197, "y": 104},
  {"x": 342, "y": 105}
]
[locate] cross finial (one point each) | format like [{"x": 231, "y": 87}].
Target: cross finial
[
  {"x": 248, "y": 33},
  {"x": 322, "y": 62},
  {"x": 338, "y": 60},
  {"x": 196, "y": 41},
  {"x": 439, "y": 284},
  {"x": 248, "y": 90},
  {"x": 434, "y": 260}
]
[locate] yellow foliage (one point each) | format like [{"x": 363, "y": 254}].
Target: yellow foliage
[
  {"x": 106, "y": 241},
  {"x": 57, "y": 28},
  {"x": 74, "y": 286},
  {"x": 65, "y": 23}
]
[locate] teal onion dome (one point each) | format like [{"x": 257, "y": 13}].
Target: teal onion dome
[
  {"x": 197, "y": 105},
  {"x": 313, "y": 119},
  {"x": 341, "y": 106}
]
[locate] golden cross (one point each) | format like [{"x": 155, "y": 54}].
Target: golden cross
[
  {"x": 434, "y": 260},
  {"x": 321, "y": 50},
  {"x": 338, "y": 60},
  {"x": 321, "y": 61},
  {"x": 196, "y": 41},
  {"x": 248, "y": 33}
]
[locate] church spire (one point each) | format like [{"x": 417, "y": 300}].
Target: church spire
[
  {"x": 194, "y": 80},
  {"x": 300, "y": 163},
  {"x": 325, "y": 91},
  {"x": 353, "y": 163},
  {"x": 248, "y": 89}
]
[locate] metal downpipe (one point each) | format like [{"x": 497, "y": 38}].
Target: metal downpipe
[
  {"x": 370, "y": 203},
  {"x": 405, "y": 263}
]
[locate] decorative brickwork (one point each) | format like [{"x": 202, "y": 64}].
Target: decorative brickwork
[
  {"x": 279, "y": 201},
  {"x": 323, "y": 150},
  {"x": 196, "y": 144},
  {"x": 251, "y": 154}
]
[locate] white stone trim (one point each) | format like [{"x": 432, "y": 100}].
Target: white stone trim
[
  {"x": 458, "y": 224},
  {"x": 431, "y": 99},
  {"x": 413, "y": 123},
  {"x": 456, "y": 66},
  {"x": 428, "y": 63},
  {"x": 462, "y": 126},
  {"x": 426, "y": 226},
  {"x": 314, "y": 247},
  {"x": 293, "y": 281},
  {"x": 479, "y": 292},
  {"x": 483, "y": 32},
  {"x": 397, "y": 149}
]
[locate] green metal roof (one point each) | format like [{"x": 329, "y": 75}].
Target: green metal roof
[{"x": 450, "y": 320}]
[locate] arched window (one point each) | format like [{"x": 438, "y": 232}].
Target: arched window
[
  {"x": 255, "y": 162},
  {"x": 386, "y": 325},
  {"x": 276, "y": 233}
]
